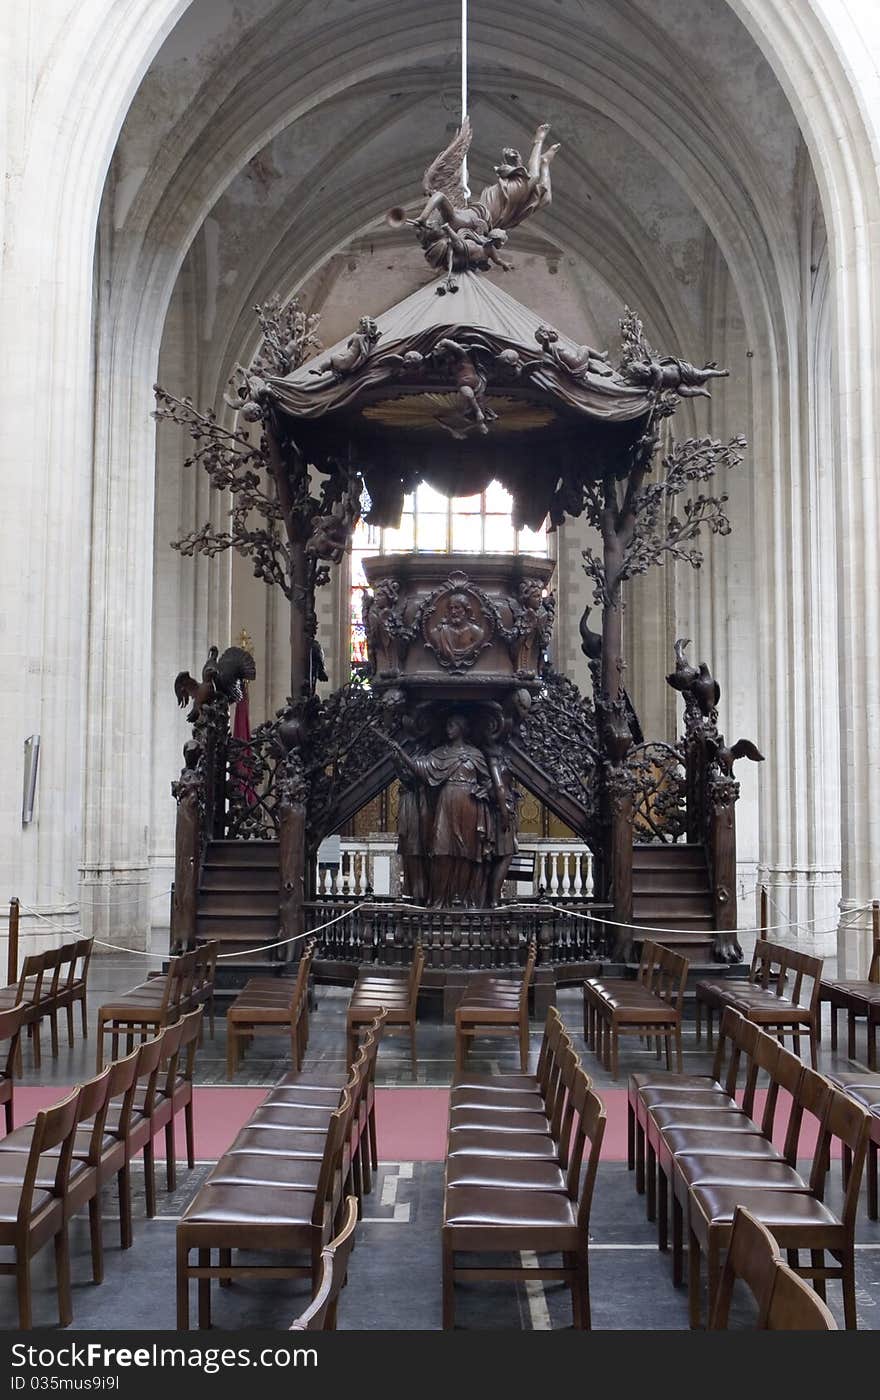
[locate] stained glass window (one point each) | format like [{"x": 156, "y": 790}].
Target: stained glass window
[{"x": 479, "y": 524}]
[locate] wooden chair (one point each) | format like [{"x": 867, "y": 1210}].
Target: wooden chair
[
  {"x": 781, "y": 995},
  {"x": 320, "y": 1315},
  {"x": 270, "y": 1007},
  {"x": 148, "y": 1008},
  {"x": 253, "y": 1217},
  {"x": 84, "y": 1178},
  {"x": 785, "y": 1302},
  {"x": 130, "y": 1125},
  {"x": 799, "y": 1220},
  {"x": 846, "y": 994},
  {"x": 496, "y": 1013},
  {"x": 201, "y": 996},
  {"x": 72, "y": 989},
  {"x": 523, "y": 1220},
  {"x": 651, "y": 1009},
  {"x": 31, "y": 1214},
  {"x": 182, "y": 1096},
  {"x": 11, "y": 1022},
  {"x": 397, "y": 996}
]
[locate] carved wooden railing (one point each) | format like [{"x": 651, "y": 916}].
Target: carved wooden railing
[
  {"x": 384, "y": 932},
  {"x": 659, "y": 795}
]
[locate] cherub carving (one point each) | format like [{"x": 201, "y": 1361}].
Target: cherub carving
[
  {"x": 331, "y": 533},
  {"x": 357, "y": 350},
  {"x": 470, "y": 382},
  {"x": 641, "y": 365},
  {"x": 584, "y": 360}
]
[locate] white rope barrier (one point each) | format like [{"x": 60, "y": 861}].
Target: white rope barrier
[
  {"x": 641, "y": 928},
  {"x": 246, "y": 952}
]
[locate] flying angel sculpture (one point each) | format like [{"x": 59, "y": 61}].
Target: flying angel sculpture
[{"x": 463, "y": 235}]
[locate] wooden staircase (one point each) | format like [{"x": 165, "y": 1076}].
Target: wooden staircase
[
  {"x": 671, "y": 889},
  {"x": 238, "y": 906}
]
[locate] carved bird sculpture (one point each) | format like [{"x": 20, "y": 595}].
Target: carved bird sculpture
[
  {"x": 743, "y": 748},
  {"x": 705, "y": 690},
  {"x": 221, "y": 676},
  {"x": 591, "y": 642},
  {"x": 684, "y": 675}
]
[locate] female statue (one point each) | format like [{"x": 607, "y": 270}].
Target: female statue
[{"x": 462, "y": 832}]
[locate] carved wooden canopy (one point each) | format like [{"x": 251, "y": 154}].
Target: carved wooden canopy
[{"x": 459, "y": 390}]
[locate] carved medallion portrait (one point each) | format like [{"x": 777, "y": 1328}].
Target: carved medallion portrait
[{"x": 458, "y": 622}]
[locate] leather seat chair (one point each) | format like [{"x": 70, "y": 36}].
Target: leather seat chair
[
  {"x": 496, "y": 1012},
  {"x": 229, "y": 1216},
  {"x": 32, "y": 1214},
  {"x": 799, "y": 1221},
  {"x": 397, "y": 997},
  {"x": 11, "y": 1022}
]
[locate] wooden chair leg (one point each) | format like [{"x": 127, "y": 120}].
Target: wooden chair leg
[
  {"x": 872, "y": 1180},
  {"x": 96, "y": 1237},
  {"x": 189, "y": 1128},
  {"x": 23, "y": 1290},
  {"x": 182, "y": 1287},
  {"x": 677, "y": 1242},
  {"x": 640, "y": 1158},
  {"x": 224, "y": 1259},
  {"x": 448, "y": 1288},
  {"x": 679, "y": 1060},
  {"x": 651, "y": 1183},
  {"x": 662, "y": 1210},
  {"x": 412, "y": 1048},
  {"x": 832, "y": 1011},
  {"x": 62, "y": 1276},
  {"x": 123, "y": 1180},
  {"x": 848, "y": 1282},
  {"x": 150, "y": 1178},
  {"x": 693, "y": 1279},
  {"x": 204, "y": 1289},
  {"x": 374, "y": 1150},
  {"x": 69, "y": 1012},
  {"x": 630, "y": 1137},
  {"x": 53, "y": 1032},
  {"x": 170, "y": 1156},
  {"x": 84, "y": 1017},
  {"x": 851, "y": 1035}
]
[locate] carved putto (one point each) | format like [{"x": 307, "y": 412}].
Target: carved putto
[
  {"x": 661, "y": 374},
  {"x": 460, "y": 234},
  {"x": 357, "y": 350}
]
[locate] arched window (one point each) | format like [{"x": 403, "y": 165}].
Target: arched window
[{"x": 479, "y": 524}]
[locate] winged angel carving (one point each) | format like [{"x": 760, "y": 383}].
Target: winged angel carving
[{"x": 463, "y": 235}]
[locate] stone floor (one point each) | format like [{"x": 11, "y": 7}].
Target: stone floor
[{"x": 394, "y": 1280}]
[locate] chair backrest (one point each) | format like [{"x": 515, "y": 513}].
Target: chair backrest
[
  {"x": 320, "y": 1315},
  {"x": 30, "y": 981},
  {"x": 82, "y": 956},
  {"x": 752, "y": 1256},
  {"x": 560, "y": 1104},
  {"x": 93, "y": 1104},
  {"x": 784, "y": 1301},
  {"x": 334, "y": 1142},
  {"x": 788, "y": 1076},
  {"x": 747, "y": 1036},
  {"x": 149, "y": 1061},
  {"x": 191, "y": 1026},
  {"x": 123, "y": 1083},
  {"x": 53, "y": 1127},
  {"x": 850, "y": 1124},
  {"x": 417, "y": 967},
  {"x": 727, "y": 1049},
  {"x": 10, "y": 1029},
  {"x": 795, "y": 1306},
  {"x": 670, "y": 977},
  {"x": 590, "y": 1123},
  {"x": 301, "y": 981},
  {"x": 53, "y": 961},
  {"x": 172, "y": 1037},
  {"x": 205, "y": 966},
  {"x": 553, "y": 1030},
  {"x": 528, "y": 974}
]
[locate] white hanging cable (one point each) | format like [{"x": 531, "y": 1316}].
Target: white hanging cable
[{"x": 464, "y": 89}]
